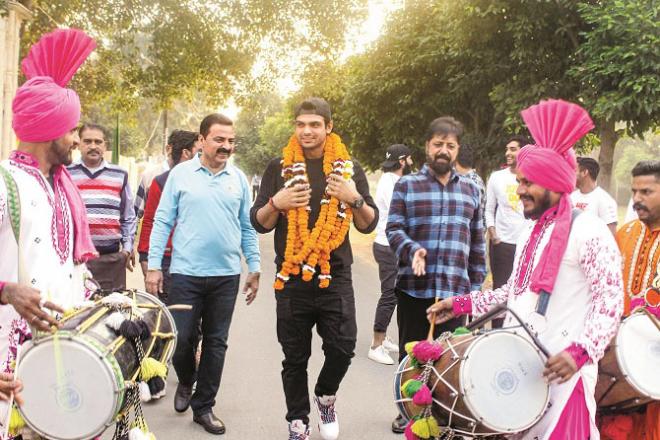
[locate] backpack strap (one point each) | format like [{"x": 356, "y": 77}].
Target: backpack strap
[{"x": 13, "y": 202}]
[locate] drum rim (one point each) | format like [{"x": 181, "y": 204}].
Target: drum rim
[
  {"x": 397, "y": 388},
  {"x": 107, "y": 360},
  {"x": 167, "y": 313},
  {"x": 623, "y": 366},
  {"x": 466, "y": 396}
]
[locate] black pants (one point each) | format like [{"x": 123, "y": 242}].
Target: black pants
[
  {"x": 213, "y": 300},
  {"x": 387, "y": 270},
  {"x": 300, "y": 306},
  {"x": 501, "y": 262},
  {"x": 413, "y": 325}
]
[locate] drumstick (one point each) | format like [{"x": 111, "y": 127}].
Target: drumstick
[
  {"x": 180, "y": 307},
  {"x": 11, "y": 395},
  {"x": 653, "y": 319},
  {"x": 432, "y": 327}
]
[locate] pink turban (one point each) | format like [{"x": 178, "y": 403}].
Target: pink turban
[
  {"x": 555, "y": 126},
  {"x": 44, "y": 109}
]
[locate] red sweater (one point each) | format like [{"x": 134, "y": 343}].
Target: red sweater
[{"x": 153, "y": 199}]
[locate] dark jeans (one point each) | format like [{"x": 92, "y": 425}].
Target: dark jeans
[
  {"x": 213, "y": 300},
  {"x": 109, "y": 270},
  {"x": 300, "y": 306},
  {"x": 387, "y": 270},
  {"x": 167, "y": 280},
  {"x": 413, "y": 325},
  {"x": 501, "y": 262}
]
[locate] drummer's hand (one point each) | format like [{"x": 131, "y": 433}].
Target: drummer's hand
[
  {"x": 419, "y": 262},
  {"x": 251, "y": 286},
  {"x": 444, "y": 311},
  {"x": 154, "y": 281},
  {"x": 28, "y": 303},
  {"x": 8, "y": 385},
  {"x": 560, "y": 368}
]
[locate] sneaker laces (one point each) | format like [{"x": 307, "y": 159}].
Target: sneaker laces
[
  {"x": 295, "y": 435},
  {"x": 326, "y": 412}
]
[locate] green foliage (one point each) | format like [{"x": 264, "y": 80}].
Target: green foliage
[{"x": 618, "y": 62}]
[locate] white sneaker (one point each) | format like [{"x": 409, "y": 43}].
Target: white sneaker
[
  {"x": 328, "y": 423},
  {"x": 298, "y": 430},
  {"x": 380, "y": 355},
  {"x": 390, "y": 345}
]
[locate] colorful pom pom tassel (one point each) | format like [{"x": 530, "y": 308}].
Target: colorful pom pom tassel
[
  {"x": 426, "y": 428},
  {"x": 410, "y": 387},
  {"x": 423, "y": 396},
  {"x": 115, "y": 320},
  {"x": 461, "y": 331},
  {"x": 408, "y": 432},
  {"x": 425, "y": 351},
  {"x": 150, "y": 368},
  {"x": 145, "y": 394},
  {"x": 409, "y": 347},
  {"x": 16, "y": 422}
]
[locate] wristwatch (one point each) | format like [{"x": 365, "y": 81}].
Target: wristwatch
[{"x": 357, "y": 204}]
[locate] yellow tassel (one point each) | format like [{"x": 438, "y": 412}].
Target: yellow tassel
[
  {"x": 151, "y": 436},
  {"x": 151, "y": 368},
  {"x": 434, "y": 429},
  {"x": 421, "y": 429},
  {"x": 409, "y": 347},
  {"x": 69, "y": 312},
  {"x": 16, "y": 422}
]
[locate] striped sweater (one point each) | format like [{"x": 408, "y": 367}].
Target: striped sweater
[{"x": 102, "y": 193}]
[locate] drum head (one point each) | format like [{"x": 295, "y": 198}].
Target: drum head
[
  {"x": 638, "y": 354},
  {"x": 71, "y": 388},
  {"x": 502, "y": 381}
]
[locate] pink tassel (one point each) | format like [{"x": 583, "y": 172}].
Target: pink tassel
[
  {"x": 557, "y": 124},
  {"x": 58, "y": 55},
  {"x": 426, "y": 351},
  {"x": 423, "y": 397},
  {"x": 410, "y": 435}
]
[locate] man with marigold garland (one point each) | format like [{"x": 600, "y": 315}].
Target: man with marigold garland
[{"x": 310, "y": 196}]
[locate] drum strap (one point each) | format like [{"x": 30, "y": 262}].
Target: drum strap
[
  {"x": 13, "y": 202},
  {"x": 544, "y": 296}
]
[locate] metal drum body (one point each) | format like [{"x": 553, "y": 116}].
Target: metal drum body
[
  {"x": 628, "y": 373},
  {"x": 74, "y": 380},
  {"x": 483, "y": 384}
]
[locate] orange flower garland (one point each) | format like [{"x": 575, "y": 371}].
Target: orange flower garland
[{"x": 305, "y": 249}]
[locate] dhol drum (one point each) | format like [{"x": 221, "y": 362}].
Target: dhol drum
[
  {"x": 628, "y": 373},
  {"x": 75, "y": 378},
  {"x": 483, "y": 384}
]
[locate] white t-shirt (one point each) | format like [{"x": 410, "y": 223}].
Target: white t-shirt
[
  {"x": 598, "y": 202},
  {"x": 504, "y": 209},
  {"x": 384, "y": 192}
]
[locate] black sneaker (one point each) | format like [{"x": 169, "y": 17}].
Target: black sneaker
[{"x": 399, "y": 424}]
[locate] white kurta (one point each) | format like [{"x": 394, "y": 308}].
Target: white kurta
[
  {"x": 43, "y": 257},
  {"x": 585, "y": 307}
]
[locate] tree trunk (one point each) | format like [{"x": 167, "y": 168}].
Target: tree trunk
[
  {"x": 608, "y": 138},
  {"x": 165, "y": 132}
]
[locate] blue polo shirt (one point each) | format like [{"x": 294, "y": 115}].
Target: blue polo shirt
[{"x": 212, "y": 217}]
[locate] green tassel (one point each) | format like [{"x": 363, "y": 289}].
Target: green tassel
[
  {"x": 461, "y": 331},
  {"x": 151, "y": 368},
  {"x": 16, "y": 422},
  {"x": 410, "y": 387}
]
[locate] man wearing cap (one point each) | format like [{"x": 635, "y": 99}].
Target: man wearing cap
[
  {"x": 44, "y": 235},
  {"x": 318, "y": 191},
  {"x": 397, "y": 163},
  {"x": 569, "y": 260}
]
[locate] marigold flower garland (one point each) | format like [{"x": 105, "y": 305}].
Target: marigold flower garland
[{"x": 305, "y": 249}]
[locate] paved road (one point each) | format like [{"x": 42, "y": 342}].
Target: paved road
[{"x": 251, "y": 400}]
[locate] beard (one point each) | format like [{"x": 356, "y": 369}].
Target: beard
[
  {"x": 407, "y": 169},
  {"x": 543, "y": 204},
  {"x": 60, "y": 153},
  {"x": 439, "y": 168}
]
